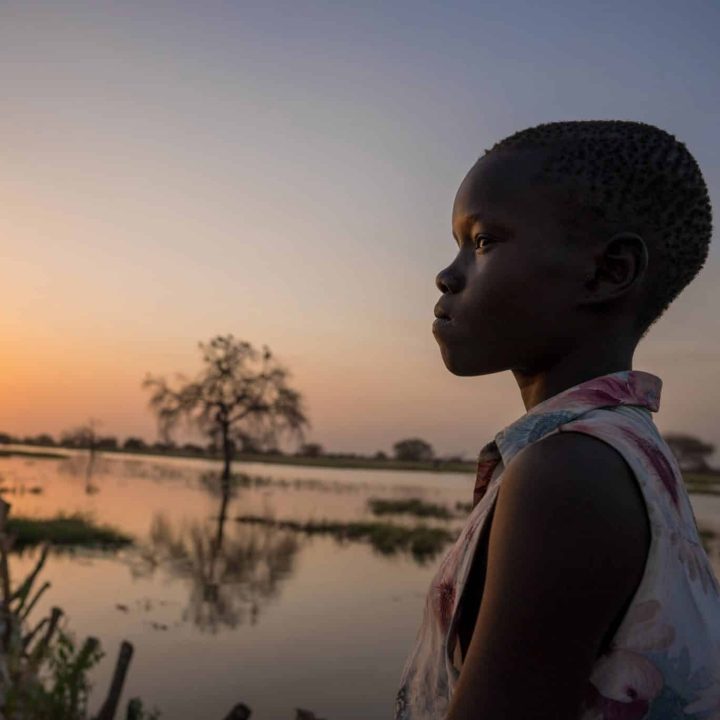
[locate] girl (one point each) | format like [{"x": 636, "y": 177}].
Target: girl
[{"x": 578, "y": 587}]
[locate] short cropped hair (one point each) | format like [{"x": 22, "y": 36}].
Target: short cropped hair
[{"x": 632, "y": 176}]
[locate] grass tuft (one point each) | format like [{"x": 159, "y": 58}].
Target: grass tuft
[
  {"x": 76, "y": 529},
  {"x": 422, "y": 541},
  {"x": 43, "y": 454},
  {"x": 411, "y": 506}
]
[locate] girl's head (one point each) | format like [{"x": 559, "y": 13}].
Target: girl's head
[{"x": 571, "y": 236}]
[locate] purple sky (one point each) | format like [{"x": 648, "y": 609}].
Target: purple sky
[{"x": 285, "y": 172}]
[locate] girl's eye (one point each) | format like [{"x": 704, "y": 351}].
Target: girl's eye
[{"x": 482, "y": 241}]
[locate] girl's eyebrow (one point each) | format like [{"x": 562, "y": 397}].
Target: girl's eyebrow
[{"x": 491, "y": 225}]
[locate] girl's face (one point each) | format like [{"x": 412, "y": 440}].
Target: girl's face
[{"x": 510, "y": 297}]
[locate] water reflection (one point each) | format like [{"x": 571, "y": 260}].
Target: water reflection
[
  {"x": 84, "y": 466},
  {"x": 202, "y": 573},
  {"x": 208, "y": 480},
  {"x": 231, "y": 574},
  {"x": 80, "y": 465}
]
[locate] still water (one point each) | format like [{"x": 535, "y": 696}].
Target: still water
[{"x": 220, "y": 611}]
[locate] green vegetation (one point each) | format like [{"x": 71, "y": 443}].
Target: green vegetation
[
  {"x": 76, "y": 529},
  {"x": 702, "y": 483},
  {"x": 704, "y": 489},
  {"x": 707, "y": 537},
  {"x": 411, "y": 506},
  {"x": 422, "y": 541},
  {"x": 413, "y": 449},
  {"x": 33, "y": 454},
  {"x": 691, "y": 452},
  {"x": 45, "y": 674},
  {"x": 65, "y": 693}
]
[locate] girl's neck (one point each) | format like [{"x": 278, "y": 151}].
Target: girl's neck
[{"x": 541, "y": 384}]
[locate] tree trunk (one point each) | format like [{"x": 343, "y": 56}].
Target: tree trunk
[
  {"x": 227, "y": 452},
  {"x": 222, "y": 517}
]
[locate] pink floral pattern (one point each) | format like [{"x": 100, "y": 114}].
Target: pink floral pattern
[
  {"x": 624, "y": 682},
  {"x": 664, "y": 661}
]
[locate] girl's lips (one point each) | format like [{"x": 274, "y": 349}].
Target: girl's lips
[
  {"x": 440, "y": 312},
  {"x": 439, "y": 324}
]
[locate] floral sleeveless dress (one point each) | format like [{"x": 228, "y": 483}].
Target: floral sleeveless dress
[{"x": 664, "y": 660}]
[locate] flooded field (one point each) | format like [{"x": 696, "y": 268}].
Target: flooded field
[{"x": 222, "y": 610}]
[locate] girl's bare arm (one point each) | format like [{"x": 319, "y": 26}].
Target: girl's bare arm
[{"x": 567, "y": 550}]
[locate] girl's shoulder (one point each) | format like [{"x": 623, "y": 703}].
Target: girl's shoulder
[
  {"x": 631, "y": 432},
  {"x": 566, "y": 552}
]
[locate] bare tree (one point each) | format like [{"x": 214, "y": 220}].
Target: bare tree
[
  {"x": 83, "y": 436},
  {"x": 240, "y": 397}
]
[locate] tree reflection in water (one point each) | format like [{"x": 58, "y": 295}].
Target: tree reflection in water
[
  {"x": 85, "y": 466},
  {"x": 231, "y": 575}
]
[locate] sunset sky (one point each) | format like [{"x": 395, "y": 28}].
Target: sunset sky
[{"x": 285, "y": 172}]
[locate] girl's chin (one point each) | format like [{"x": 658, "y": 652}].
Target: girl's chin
[{"x": 466, "y": 363}]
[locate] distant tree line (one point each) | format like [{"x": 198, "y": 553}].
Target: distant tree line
[
  {"x": 691, "y": 453},
  {"x": 74, "y": 440},
  {"x": 412, "y": 449}
]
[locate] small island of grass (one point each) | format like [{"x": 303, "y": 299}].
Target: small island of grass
[
  {"x": 64, "y": 530},
  {"x": 422, "y": 541},
  {"x": 409, "y": 506},
  {"x": 43, "y": 454}
]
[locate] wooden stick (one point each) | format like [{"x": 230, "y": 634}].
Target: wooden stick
[
  {"x": 39, "y": 650},
  {"x": 109, "y": 707},
  {"x": 29, "y": 637},
  {"x": 5, "y": 574},
  {"x": 31, "y": 605},
  {"x": 24, "y": 589}
]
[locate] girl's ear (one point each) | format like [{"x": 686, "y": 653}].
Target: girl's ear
[{"x": 620, "y": 266}]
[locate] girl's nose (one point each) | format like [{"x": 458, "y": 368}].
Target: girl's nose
[{"x": 448, "y": 281}]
